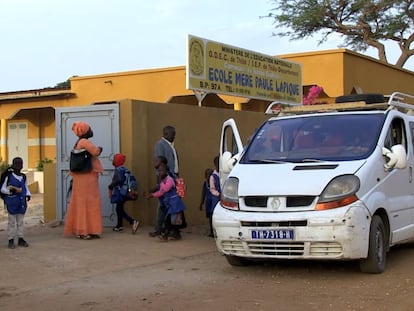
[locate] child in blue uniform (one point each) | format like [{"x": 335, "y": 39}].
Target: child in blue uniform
[
  {"x": 15, "y": 193},
  {"x": 117, "y": 181},
  {"x": 213, "y": 194}
]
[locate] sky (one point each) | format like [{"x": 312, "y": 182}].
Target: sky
[{"x": 45, "y": 42}]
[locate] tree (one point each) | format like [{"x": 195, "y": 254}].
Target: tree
[
  {"x": 363, "y": 23},
  {"x": 63, "y": 85}
]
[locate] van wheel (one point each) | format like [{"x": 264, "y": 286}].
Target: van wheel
[
  {"x": 377, "y": 250},
  {"x": 367, "y": 98},
  {"x": 237, "y": 261}
]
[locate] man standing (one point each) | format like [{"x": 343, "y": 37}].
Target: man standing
[{"x": 165, "y": 148}]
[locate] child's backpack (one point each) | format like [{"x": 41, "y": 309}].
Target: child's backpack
[
  {"x": 129, "y": 188},
  {"x": 180, "y": 187}
]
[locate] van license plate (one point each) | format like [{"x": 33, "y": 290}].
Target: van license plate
[{"x": 272, "y": 234}]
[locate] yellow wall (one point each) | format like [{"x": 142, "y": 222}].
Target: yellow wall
[
  {"x": 374, "y": 76},
  {"x": 41, "y": 134},
  {"x": 151, "y": 85},
  {"x": 339, "y": 71},
  {"x": 50, "y": 189},
  {"x": 197, "y": 142},
  {"x": 156, "y": 85},
  {"x": 323, "y": 68}
]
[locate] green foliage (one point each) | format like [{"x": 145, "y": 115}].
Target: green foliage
[
  {"x": 362, "y": 23},
  {"x": 3, "y": 166},
  {"x": 63, "y": 85},
  {"x": 41, "y": 163}
]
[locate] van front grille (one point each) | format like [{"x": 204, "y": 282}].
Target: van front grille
[
  {"x": 291, "y": 201},
  {"x": 324, "y": 249},
  {"x": 283, "y": 250},
  {"x": 256, "y": 201},
  {"x": 279, "y": 249},
  {"x": 234, "y": 247},
  {"x": 299, "y": 201}
]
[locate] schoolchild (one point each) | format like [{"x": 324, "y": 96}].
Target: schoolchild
[
  {"x": 213, "y": 195},
  {"x": 15, "y": 193},
  {"x": 117, "y": 181},
  {"x": 161, "y": 208},
  {"x": 175, "y": 218},
  {"x": 205, "y": 188}
]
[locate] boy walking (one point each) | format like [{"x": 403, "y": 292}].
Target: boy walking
[
  {"x": 117, "y": 181},
  {"x": 15, "y": 193}
]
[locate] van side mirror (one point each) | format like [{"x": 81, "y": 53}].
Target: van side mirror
[
  {"x": 396, "y": 157},
  {"x": 227, "y": 162}
]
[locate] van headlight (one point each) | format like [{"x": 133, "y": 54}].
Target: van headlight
[
  {"x": 339, "y": 192},
  {"x": 230, "y": 194}
]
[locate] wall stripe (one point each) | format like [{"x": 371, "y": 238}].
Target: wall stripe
[{"x": 43, "y": 142}]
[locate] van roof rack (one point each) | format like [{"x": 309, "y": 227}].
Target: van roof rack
[
  {"x": 402, "y": 101},
  {"x": 279, "y": 109},
  {"x": 397, "y": 100}
]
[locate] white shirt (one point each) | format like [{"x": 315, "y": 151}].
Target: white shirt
[
  {"x": 175, "y": 155},
  {"x": 5, "y": 189}
]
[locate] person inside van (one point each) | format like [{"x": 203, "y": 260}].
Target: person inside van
[{"x": 304, "y": 140}]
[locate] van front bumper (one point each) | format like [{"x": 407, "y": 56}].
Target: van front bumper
[{"x": 341, "y": 233}]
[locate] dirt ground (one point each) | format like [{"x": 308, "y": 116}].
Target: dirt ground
[{"x": 122, "y": 271}]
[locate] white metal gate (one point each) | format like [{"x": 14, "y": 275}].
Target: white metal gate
[{"x": 104, "y": 120}]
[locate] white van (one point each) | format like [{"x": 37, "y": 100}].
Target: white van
[{"x": 331, "y": 182}]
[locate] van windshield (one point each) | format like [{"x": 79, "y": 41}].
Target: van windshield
[{"x": 343, "y": 137}]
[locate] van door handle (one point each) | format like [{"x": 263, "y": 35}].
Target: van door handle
[{"x": 410, "y": 178}]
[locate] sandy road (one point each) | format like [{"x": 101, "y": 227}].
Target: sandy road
[{"x": 122, "y": 271}]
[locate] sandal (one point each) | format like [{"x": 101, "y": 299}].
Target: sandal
[
  {"x": 94, "y": 236},
  {"x": 84, "y": 237},
  {"x": 163, "y": 237}
]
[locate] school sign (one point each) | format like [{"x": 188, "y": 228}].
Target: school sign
[{"x": 214, "y": 67}]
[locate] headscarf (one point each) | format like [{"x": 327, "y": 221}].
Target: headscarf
[
  {"x": 119, "y": 159},
  {"x": 80, "y": 128}
]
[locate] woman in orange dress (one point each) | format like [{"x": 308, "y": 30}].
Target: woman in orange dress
[{"x": 84, "y": 214}]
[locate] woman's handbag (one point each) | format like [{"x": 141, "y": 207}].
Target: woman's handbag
[{"x": 80, "y": 161}]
